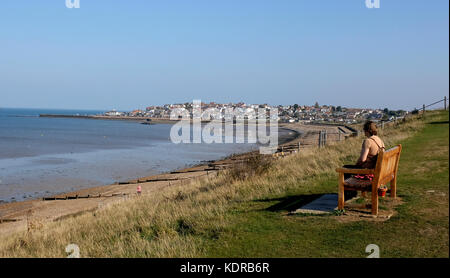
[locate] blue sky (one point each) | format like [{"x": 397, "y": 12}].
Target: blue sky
[{"x": 127, "y": 54}]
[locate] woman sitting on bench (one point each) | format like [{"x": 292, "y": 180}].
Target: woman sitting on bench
[{"x": 369, "y": 154}]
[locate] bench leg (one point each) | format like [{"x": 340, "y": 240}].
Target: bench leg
[
  {"x": 394, "y": 187},
  {"x": 341, "y": 200},
  {"x": 374, "y": 202}
]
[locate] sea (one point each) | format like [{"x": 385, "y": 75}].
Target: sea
[{"x": 42, "y": 156}]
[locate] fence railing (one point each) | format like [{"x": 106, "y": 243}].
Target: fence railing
[
  {"x": 423, "y": 110},
  {"x": 434, "y": 103},
  {"x": 323, "y": 137},
  {"x": 318, "y": 138}
]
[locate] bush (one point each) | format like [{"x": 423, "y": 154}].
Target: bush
[{"x": 255, "y": 165}]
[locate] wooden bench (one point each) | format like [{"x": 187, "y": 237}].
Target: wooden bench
[{"x": 385, "y": 172}]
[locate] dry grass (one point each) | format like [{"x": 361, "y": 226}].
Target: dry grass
[{"x": 174, "y": 222}]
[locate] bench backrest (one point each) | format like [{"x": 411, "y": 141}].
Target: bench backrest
[{"x": 387, "y": 165}]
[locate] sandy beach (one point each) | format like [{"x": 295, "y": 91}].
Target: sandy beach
[{"x": 18, "y": 216}]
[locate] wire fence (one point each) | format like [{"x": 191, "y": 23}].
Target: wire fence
[
  {"x": 422, "y": 110},
  {"x": 332, "y": 133},
  {"x": 439, "y": 101}
]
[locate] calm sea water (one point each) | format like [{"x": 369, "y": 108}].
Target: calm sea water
[{"x": 46, "y": 156}]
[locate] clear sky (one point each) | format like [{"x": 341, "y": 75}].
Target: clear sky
[{"x": 127, "y": 54}]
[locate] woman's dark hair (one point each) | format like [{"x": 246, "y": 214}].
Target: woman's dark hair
[{"x": 371, "y": 128}]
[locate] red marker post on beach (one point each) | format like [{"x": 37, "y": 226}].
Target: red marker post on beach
[{"x": 139, "y": 190}]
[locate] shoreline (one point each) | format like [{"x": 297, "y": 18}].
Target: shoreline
[
  {"x": 285, "y": 136},
  {"x": 149, "y": 120},
  {"x": 15, "y": 216},
  {"x": 288, "y": 135}
]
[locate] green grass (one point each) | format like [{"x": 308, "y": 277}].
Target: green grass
[
  {"x": 419, "y": 229},
  {"x": 243, "y": 212}
]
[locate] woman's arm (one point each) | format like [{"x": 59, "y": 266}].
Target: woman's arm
[{"x": 364, "y": 152}]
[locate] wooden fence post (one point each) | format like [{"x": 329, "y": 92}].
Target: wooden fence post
[
  {"x": 323, "y": 137},
  {"x": 298, "y": 147},
  {"x": 423, "y": 111},
  {"x": 445, "y": 103},
  {"x": 320, "y": 139}
]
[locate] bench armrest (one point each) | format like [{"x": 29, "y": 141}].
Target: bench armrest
[{"x": 355, "y": 171}]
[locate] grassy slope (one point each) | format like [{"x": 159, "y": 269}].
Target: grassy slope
[
  {"x": 231, "y": 217},
  {"x": 419, "y": 230}
]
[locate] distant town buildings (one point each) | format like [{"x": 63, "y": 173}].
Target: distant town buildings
[
  {"x": 286, "y": 113},
  {"x": 114, "y": 113}
]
